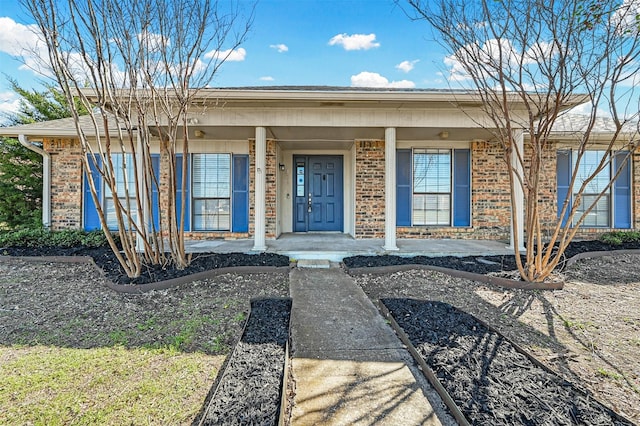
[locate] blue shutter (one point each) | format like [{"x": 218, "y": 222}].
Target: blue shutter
[
  {"x": 179, "y": 194},
  {"x": 91, "y": 219},
  {"x": 461, "y": 187},
  {"x": 622, "y": 192},
  {"x": 155, "y": 200},
  {"x": 240, "y": 200},
  {"x": 563, "y": 179},
  {"x": 403, "y": 187}
]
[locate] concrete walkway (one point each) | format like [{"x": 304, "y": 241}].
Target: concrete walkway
[
  {"x": 335, "y": 247},
  {"x": 349, "y": 368}
]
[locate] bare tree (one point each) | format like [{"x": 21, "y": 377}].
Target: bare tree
[
  {"x": 136, "y": 66},
  {"x": 544, "y": 54}
]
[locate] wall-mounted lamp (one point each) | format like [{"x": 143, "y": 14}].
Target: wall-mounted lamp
[
  {"x": 281, "y": 166},
  {"x": 199, "y": 134},
  {"x": 444, "y": 134}
]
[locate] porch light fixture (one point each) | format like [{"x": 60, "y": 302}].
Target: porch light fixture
[
  {"x": 444, "y": 134},
  {"x": 281, "y": 167},
  {"x": 199, "y": 134}
]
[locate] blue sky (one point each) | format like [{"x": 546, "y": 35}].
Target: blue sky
[{"x": 293, "y": 42}]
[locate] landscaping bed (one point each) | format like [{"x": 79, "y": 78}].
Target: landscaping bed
[
  {"x": 249, "y": 388},
  {"x": 489, "y": 379},
  {"x": 481, "y": 264},
  {"x": 589, "y": 332},
  {"x": 107, "y": 261}
]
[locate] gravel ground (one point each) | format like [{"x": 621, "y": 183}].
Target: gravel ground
[
  {"x": 69, "y": 305},
  {"x": 250, "y": 389},
  {"x": 107, "y": 261},
  {"x": 490, "y": 380},
  {"x": 589, "y": 332}
]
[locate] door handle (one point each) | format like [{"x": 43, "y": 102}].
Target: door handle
[{"x": 309, "y": 204}]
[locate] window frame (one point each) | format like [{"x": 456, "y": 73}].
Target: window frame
[
  {"x": 450, "y": 193},
  {"x": 107, "y": 195},
  {"x": 608, "y": 194},
  {"x": 193, "y": 199}
]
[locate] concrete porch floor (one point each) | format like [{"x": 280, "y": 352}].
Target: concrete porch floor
[{"x": 336, "y": 246}]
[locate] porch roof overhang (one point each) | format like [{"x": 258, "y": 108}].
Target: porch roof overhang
[{"x": 315, "y": 113}]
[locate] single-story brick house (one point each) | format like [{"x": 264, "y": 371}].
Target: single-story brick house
[{"x": 369, "y": 163}]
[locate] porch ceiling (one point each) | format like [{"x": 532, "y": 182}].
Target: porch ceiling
[{"x": 287, "y": 134}]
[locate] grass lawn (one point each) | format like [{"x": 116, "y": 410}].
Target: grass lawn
[
  {"x": 112, "y": 385},
  {"x": 73, "y": 351}
]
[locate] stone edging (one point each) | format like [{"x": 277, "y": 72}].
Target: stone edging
[
  {"x": 593, "y": 254},
  {"x": 160, "y": 285}
]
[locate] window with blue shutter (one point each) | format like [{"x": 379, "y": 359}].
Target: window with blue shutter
[
  {"x": 179, "y": 194},
  {"x": 155, "y": 197},
  {"x": 403, "y": 187},
  {"x": 433, "y": 187},
  {"x": 240, "y": 201},
  {"x": 622, "y": 191},
  {"x": 91, "y": 220},
  {"x": 211, "y": 192},
  {"x": 461, "y": 187},
  {"x": 563, "y": 176},
  {"x": 612, "y": 206}
]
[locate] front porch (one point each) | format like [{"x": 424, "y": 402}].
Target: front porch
[{"x": 336, "y": 246}]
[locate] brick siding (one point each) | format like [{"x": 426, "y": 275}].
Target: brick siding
[
  {"x": 490, "y": 192},
  {"x": 270, "y": 188},
  {"x": 66, "y": 183},
  {"x": 370, "y": 201}
]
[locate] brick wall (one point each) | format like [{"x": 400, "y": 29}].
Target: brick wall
[
  {"x": 271, "y": 184},
  {"x": 369, "y": 192},
  {"x": 548, "y": 196},
  {"x": 66, "y": 183},
  {"x": 490, "y": 192}
]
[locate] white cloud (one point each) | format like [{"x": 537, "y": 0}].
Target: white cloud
[
  {"x": 280, "y": 47},
  {"x": 155, "y": 42},
  {"x": 267, "y": 78},
  {"x": 237, "y": 55},
  {"x": 23, "y": 42},
  {"x": 9, "y": 105},
  {"x": 373, "y": 79},
  {"x": 407, "y": 66},
  {"x": 497, "y": 54},
  {"x": 355, "y": 41},
  {"x": 15, "y": 38}
]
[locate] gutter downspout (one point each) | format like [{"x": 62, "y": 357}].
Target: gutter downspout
[{"x": 46, "y": 179}]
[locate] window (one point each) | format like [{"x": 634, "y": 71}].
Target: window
[
  {"x": 599, "y": 216},
  {"x": 613, "y": 209},
  {"x": 125, "y": 188},
  {"x": 211, "y": 192},
  {"x": 431, "y": 187}
]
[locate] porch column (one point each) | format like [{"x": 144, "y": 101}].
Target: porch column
[
  {"x": 259, "y": 243},
  {"x": 517, "y": 212},
  {"x": 390, "y": 189}
]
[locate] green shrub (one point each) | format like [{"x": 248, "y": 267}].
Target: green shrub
[
  {"x": 617, "y": 238},
  {"x": 40, "y": 237}
]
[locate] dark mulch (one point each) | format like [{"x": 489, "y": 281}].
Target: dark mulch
[
  {"x": 107, "y": 261},
  {"x": 477, "y": 264},
  {"x": 487, "y": 377},
  {"x": 249, "y": 390}
]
